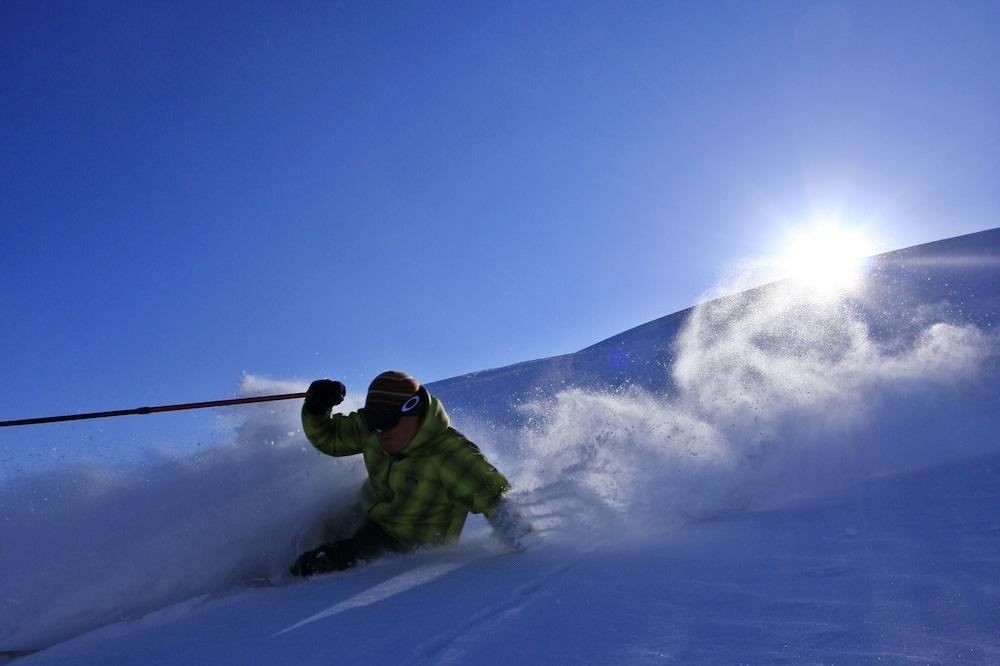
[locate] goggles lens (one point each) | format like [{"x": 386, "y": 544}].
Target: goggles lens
[{"x": 379, "y": 418}]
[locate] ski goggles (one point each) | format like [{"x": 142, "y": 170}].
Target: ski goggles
[{"x": 379, "y": 418}]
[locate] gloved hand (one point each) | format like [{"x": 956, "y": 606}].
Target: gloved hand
[
  {"x": 510, "y": 526},
  {"x": 324, "y": 394}
]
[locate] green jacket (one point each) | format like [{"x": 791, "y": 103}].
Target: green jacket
[{"x": 423, "y": 494}]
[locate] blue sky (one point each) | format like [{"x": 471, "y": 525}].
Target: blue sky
[{"x": 192, "y": 191}]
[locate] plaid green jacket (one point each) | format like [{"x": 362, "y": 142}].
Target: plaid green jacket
[{"x": 423, "y": 494}]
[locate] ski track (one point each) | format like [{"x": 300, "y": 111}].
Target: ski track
[
  {"x": 446, "y": 647},
  {"x": 389, "y": 588}
]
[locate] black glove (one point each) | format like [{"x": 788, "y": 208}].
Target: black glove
[
  {"x": 324, "y": 394},
  {"x": 335, "y": 556}
]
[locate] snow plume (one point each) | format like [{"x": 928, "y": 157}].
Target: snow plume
[
  {"x": 93, "y": 544},
  {"x": 778, "y": 396}
]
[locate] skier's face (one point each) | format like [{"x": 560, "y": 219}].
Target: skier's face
[{"x": 398, "y": 437}]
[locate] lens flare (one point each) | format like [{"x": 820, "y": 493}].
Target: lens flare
[{"x": 827, "y": 259}]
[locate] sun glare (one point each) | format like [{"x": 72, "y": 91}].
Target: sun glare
[{"x": 826, "y": 258}]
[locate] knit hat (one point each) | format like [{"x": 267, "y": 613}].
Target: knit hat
[{"x": 390, "y": 396}]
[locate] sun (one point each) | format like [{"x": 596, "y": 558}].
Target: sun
[{"x": 826, "y": 258}]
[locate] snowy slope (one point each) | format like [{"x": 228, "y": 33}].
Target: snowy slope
[
  {"x": 902, "y": 570},
  {"x": 763, "y": 478}
]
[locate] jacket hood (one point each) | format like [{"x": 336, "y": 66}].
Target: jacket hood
[{"x": 434, "y": 423}]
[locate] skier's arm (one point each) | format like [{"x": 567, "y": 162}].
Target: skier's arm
[
  {"x": 333, "y": 434},
  {"x": 471, "y": 481},
  {"x": 479, "y": 487}
]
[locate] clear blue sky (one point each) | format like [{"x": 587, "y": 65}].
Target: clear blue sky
[{"x": 194, "y": 190}]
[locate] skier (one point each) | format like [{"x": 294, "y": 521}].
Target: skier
[{"x": 424, "y": 477}]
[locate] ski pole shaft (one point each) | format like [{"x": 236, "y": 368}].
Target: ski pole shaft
[{"x": 153, "y": 410}]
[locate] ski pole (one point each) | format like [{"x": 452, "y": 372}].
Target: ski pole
[{"x": 153, "y": 410}]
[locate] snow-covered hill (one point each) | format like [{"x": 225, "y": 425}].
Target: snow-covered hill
[
  {"x": 767, "y": 477},
  {"x": 955, "y": 280},
  {"x": 900, "y": 569}
]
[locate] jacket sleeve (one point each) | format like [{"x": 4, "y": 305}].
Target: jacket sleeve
[
  {"x": 471, "y": 481},
  {"x": 335, "y": 434}
]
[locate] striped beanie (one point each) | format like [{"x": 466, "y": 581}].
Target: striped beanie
[{"x": 390, "y": 391}]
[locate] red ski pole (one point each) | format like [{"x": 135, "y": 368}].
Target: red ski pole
[{"x": 153, "y": 410}]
